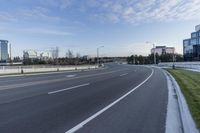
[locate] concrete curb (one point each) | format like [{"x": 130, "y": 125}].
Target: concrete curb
[{"x": 187, "y": 122}]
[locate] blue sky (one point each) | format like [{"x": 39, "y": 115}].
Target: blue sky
[{"x": 122, "y": 26}]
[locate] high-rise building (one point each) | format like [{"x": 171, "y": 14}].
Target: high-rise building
[
  {"x": 191, "y": 46},
  {"x": 4, "y": 51}
]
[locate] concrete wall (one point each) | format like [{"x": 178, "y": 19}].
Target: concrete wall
[
  {"x": 187, "y": 65},
  {"x": 40, "y": 68}
]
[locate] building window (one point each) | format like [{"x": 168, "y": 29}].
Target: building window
[
  {"x": 193, "y": 41},
  {"x": 194, "y": 35}
]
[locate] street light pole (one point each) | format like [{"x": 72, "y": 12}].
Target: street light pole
[
  {"x": 98, "y": 62},
  {"x": 174, "y": 59},
  {"x": 154, "y": 52}
]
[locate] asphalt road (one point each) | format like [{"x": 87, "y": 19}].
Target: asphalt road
[{"x": 118, "y": 99}]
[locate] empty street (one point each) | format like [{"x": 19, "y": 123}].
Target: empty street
[{"x": 117, "y": 99}]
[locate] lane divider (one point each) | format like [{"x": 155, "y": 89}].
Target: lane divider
[
  {"x": 80, "y": 125},
  {"x": 123, "y": 74},
  {"x": 12, "y": 86},
  {"x": 66, "y": 89},
  {"x": 70, "y": 76}
]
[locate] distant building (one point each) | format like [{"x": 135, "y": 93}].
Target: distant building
[
  {"x": 163, "y": 50},
  {"x": 4, "y": 51},
  {"x": 86, "y": 57},
  {"x": 45, "y": 56},
  {"x": 191, "y": 46},
  {"x": 30, "y": 54}
]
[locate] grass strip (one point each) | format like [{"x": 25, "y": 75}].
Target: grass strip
[{"x": 189, "y": 83}]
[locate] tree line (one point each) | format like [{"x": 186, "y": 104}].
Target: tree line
[
  {"x": 139, "y": 59},
  {"x": 69, "y": 59}
]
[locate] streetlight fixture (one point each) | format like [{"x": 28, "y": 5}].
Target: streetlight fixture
[
  {"x": 98, "y": 62},
  {"x": 154, "y": 51}
]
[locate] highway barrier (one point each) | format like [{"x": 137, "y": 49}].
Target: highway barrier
[
  {"x": 185, "y": 65},
  {"x": 42, "y": 68}
]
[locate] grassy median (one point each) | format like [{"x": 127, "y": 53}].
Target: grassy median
[{"x": 189, "y": 82}]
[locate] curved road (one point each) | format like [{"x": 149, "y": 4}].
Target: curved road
[{"x": 119, "y": 99}]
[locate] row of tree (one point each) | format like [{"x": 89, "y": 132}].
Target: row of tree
[
  {"x": 69, "y": 59},
  {"x": 135, "y": 59}
]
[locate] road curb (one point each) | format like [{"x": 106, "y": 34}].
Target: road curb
[{"x": 187, "y": 122}]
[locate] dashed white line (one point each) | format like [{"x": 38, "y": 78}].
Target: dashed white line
[
  {"x": 80, "y": 125},
  {"x": 53, "y": 80},
  {"x": 123, "y": 74},
  {"x": 53, "y": 92},
  {"x": 70, "y": 76}
]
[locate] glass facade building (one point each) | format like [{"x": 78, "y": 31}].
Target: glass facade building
[
  {"x": 191, "y": 46},
  {"x": 4, "y": 51}
]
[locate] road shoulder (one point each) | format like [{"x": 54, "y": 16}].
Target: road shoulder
[{"x": 179, "y": 118}]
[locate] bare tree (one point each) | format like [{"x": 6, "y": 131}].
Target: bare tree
[
  {"x": 78, "y": 55},
  {"x": 55, "y": 54},
  {"x": 69, "y": 54}
]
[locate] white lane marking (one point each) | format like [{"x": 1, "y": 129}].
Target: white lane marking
[
  {"x": 80, "y": 125},
  {"x": 70, "y": 76},
  {"x": 53, "y": 80},
  {"x": 123, "y": 74},
  {"x": 53, "y": 92}
]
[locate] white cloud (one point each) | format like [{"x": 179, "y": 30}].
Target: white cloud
[
  {"x": 33, "y": 14},
  {"x": 130, "y": 11},
  {"x": 46, "y": 31},
  {"x": 36, "y": 31},
  {"x": 4, "y": 16},
  {"x": 134, "y": 11},
  {"x": 37, "y": 13},
  {"x": 65, "y": 3}
]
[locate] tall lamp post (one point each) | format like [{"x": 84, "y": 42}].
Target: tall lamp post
[
  {"x": 98, "y": 54},
  {"x": 174, "y": 59},
  {"x": 154, "y": 51}
]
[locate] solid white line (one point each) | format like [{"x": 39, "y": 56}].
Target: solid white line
[
  {"x": 53, "y": 92},
  {"x": 80, "y": 125},
  {"x": 123, "y": 74}
]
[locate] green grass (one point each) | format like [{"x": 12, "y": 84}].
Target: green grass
[{"x": 190, "y": 85}]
